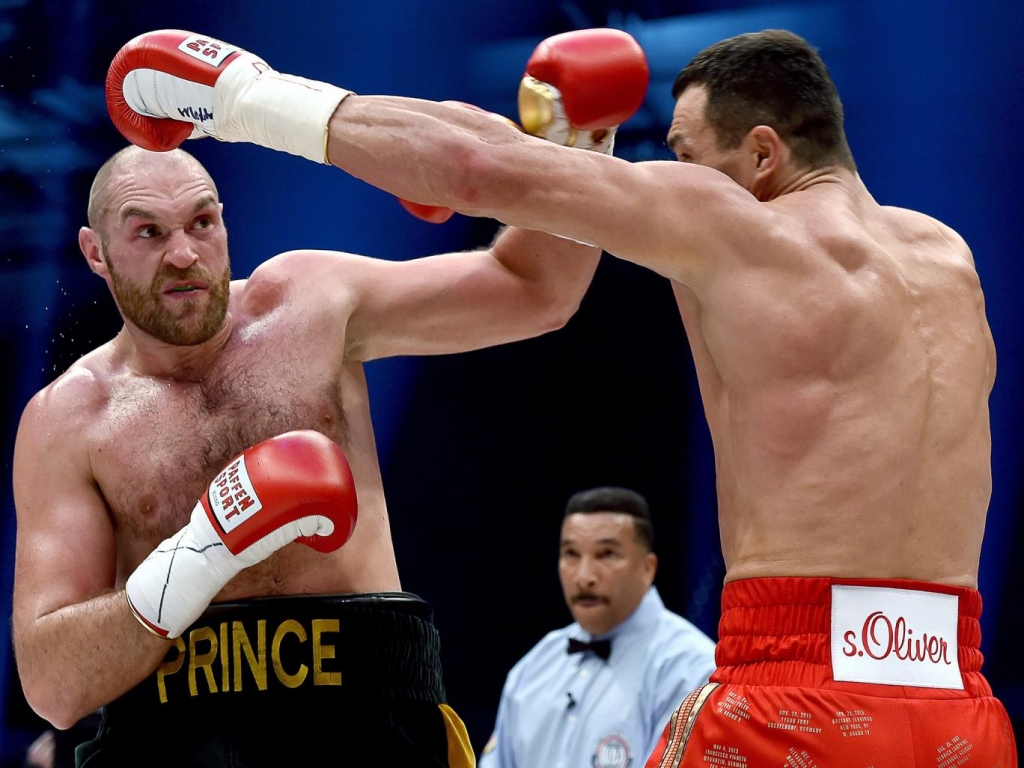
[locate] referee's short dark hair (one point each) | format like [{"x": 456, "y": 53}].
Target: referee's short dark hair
[{"x": 614, "y": 499}]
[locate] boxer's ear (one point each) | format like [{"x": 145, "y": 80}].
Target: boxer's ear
[
  {"x": 764, "y": 153},
  {"x": 92, "y": 248}
]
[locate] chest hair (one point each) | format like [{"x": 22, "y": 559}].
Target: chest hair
[{"x": 169, "y": 439}]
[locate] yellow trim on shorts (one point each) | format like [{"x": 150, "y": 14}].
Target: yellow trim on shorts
[{"x": 460, "y": 751}]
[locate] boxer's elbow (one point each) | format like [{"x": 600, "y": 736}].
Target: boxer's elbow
[
  {"x": 63, "y": 721},
  {"x": 53, "y": 693},
  {"x": 561, "y": 311},
  {"x": 553, "y": 311},
  {"x": 54, "y": 703}
]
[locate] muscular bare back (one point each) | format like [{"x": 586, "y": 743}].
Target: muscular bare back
[{"x": 846, "y": 365}]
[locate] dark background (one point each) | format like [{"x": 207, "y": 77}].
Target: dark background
[{"x": 481, "y": 450}]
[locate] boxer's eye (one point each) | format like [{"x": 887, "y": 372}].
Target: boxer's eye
[{"x": 149, "y": 231}]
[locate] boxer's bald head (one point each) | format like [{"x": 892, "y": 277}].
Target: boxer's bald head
[
  {"x": 155, "y": 230},
  {"x": 135, "y": 163}
]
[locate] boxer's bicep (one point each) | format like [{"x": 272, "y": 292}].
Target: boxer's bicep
[
  {"x": 65, "y": 545},
  {"x": 526, "y": 284}
]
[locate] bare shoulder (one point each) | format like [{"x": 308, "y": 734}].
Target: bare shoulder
[
  {"x": 78, "y": 393},
  {"x": 57, "y": 421},
  {"x": 306, "y": 265},
  {"x": 695, "y": 222},
  {"x": 920, "y": 227},
  {"x": 307, "y": 274}
]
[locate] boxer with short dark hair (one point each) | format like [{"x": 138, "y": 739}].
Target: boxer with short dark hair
[
  {"x": 845, "y": 364},
  {"x": 203, "y": 632}
]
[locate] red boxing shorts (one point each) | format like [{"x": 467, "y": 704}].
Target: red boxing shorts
[{"x": 842, "y": 673}]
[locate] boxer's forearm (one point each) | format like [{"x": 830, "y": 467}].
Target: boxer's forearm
[
  {"x": 444, "y": 155},
  {"x": 80, "y": 657},
  {"x": 421, "y": 150},
  {"x": 579, "y": 87}
]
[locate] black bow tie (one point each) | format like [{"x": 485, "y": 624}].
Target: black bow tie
[{"x": 600, "y": 648}]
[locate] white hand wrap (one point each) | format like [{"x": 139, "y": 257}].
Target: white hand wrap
[
  {"x": 174, "y": 585},
  {"x": 250, "y": 102},
  {"x": 176, "y": 582}
]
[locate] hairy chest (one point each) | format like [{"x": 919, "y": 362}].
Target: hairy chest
[{"x": 162, "y": 442}]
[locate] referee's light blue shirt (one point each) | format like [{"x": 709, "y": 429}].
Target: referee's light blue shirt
[{"x": 561, "y": 710}]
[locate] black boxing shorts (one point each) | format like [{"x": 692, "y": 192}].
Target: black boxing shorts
[{"x": 280, "y": 681}]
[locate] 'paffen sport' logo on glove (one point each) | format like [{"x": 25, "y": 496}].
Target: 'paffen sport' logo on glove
[
  {"x": 233, "y": 499},
  {"x": 206, "y": 49}
]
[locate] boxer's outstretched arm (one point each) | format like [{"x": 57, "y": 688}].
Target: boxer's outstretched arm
[
  {"x": 672, "y": 217},
  {"x": 527, "y": 283},
  {"x": 164, "y": 87},
  {"x": 76, "y": 642}
]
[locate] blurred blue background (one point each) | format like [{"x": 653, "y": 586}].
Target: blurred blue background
[{"x": 480, "y": 451}]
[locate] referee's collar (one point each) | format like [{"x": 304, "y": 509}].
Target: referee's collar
[{"x": 642, "y": 617}]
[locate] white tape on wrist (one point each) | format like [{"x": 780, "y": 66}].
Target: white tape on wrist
[
  {"x": 176, "y": 582},
  {"x": 291, "y": 114}
]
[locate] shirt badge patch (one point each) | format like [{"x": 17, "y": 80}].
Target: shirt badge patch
[{"x": 612, "y": 752}]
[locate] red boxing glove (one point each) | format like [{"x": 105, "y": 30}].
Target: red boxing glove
[
  {"x": 435, "y": 214},
  {"x": 296, "y": 487},
  {"x": 297, "y": 475},
  {"x": 170, "y": 85},
  {"x": 580, "y": 86},
  {"x": 159, "y": 52}
]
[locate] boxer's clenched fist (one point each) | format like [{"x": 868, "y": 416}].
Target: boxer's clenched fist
[{"x": 580, "y": 86}]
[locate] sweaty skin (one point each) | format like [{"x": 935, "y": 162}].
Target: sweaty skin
[
  {"x": 842, "y": 349},
  {"x": 111, "y": 457}
]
